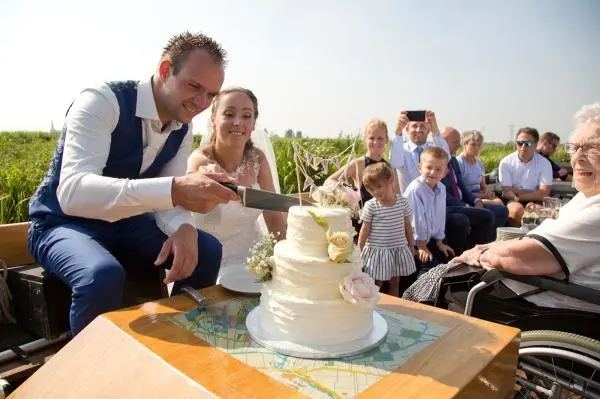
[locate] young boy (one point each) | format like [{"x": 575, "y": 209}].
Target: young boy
[{"x": 427, "y": 199}]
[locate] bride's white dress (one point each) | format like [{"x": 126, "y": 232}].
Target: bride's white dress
[{"x": 237, "y": 228}]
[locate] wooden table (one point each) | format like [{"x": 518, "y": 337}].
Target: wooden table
[{"x": 138, "y": 352}]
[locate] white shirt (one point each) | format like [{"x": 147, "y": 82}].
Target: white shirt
[
  {"x": 403, "y": 156},
  {"x": 576, "y": 236},
  {"x": 428, "y": 209},
  {"x": 84, "y": 192},
  {"x": 525, "y": 176}
]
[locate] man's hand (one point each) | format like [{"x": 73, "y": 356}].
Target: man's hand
[
  {"x": 402, "y": 122},
  {"x": 431, "y": 122},
  {"x": 199, "y": 192},
  {"x": 446, "y": 249},
  {"x": 478, "y": 203},
  {"x": 183, "y": 244}
]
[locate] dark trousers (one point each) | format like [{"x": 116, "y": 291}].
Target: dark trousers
[
  {"x": 90, "y": 257},
  {"x": 482, "y": 224},
  {"x": 500, "y": 212}
]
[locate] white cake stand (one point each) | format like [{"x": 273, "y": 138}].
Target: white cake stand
[{"x": 370, "y": 341}]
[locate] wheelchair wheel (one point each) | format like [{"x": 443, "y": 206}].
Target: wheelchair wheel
[{"x": 556, "y": 364}]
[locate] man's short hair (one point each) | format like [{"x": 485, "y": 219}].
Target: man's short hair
[
  {"x": 180, "y": 46},
  {"x": 530, "y": 131},
  {"x": 435, "y": 153},
  {"x": 549, "y": 136}
]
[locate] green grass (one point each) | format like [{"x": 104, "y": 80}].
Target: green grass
[{"x": 25, "y": 156}]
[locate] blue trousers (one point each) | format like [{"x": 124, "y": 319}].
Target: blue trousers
[{"x": 90, "y": 256}]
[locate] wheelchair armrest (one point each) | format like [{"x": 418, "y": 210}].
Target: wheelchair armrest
[{"x": 560, "y": 286}]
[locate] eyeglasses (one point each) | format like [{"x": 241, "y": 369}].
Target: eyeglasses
[
  {"x": 587, "y": 149},
  {"x": 526, "y": 143},
  {"x": 553, "y": 145}
]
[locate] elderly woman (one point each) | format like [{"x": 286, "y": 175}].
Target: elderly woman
[
  {"x": 472, "y": 168},
  {"x": 567, "y": 246}
]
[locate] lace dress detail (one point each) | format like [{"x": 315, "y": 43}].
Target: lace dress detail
[{"x": 234, "y": 225}]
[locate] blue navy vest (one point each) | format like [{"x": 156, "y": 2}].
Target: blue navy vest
[{"x": 124, "y": 158}]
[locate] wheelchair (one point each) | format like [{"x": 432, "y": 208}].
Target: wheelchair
[{"x": 559, "y": 354}]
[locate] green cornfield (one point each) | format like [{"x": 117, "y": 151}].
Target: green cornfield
[{"x": 24, "y": 158}]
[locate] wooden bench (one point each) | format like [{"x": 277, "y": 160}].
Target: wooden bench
[{"x": 38, "y": 295}]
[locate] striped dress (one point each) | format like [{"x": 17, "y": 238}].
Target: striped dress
[{"x": 386, "y": 253}]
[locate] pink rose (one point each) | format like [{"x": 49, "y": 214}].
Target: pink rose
[{"x": 360, "y": 289}]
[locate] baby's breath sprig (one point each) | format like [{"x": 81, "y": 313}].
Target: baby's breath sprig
[{"x": 261, "y": 260}]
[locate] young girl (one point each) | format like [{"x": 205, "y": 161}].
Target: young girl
[
  {"x": 375, "y": 138},
  {"x": 386, "y": 237}
]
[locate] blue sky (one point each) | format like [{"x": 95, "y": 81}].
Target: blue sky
[{"x": 320, "y": 66}]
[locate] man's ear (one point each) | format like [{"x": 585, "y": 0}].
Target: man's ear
[{"x": 164, "y": 69}]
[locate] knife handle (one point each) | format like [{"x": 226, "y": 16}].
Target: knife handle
[{"x": 231, "y": 186}]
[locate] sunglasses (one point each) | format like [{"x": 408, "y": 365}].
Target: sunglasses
[{"x": 526, "y": 143}]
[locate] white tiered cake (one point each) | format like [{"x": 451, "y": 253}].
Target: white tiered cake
[{"x": 312, "y": 301}]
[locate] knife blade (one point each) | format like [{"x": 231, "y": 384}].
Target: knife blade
[{"x": 265, "y": 200}]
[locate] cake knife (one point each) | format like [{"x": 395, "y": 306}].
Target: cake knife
[{"x": 265, "y": 200}]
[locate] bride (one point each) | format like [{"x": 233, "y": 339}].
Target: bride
[{"x": 233, "y": 149}]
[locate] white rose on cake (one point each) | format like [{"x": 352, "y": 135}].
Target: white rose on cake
[
  {"x": 340, "y": 247},
  {"x": 360, "y": 289}
]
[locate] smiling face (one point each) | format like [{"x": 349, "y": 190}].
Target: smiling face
[
  {"x": 585, "y": 158},
  {"x": 191, "y": 90},
  {"x": 417, "y": 132},
  {"x": 233, "y": 119},
  {"x": 432, "y": 169},
  {"x": 375, "y": 140}
]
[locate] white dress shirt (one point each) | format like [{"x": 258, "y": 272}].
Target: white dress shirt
[
  {"x": 525, "y": 176},
  {"x": 404, "y": 157},
  {"x": 428, "y": 209},
  {"x": 84, "y": 192}
]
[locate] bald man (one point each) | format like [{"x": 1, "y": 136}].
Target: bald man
[{"x": 483, "y": 218}]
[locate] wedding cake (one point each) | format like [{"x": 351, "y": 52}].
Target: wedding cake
[{"x": 317, "y": 294}]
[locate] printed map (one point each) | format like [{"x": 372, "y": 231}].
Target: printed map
[{"x": 224, "y": 326}]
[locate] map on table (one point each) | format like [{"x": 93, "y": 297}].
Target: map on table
[{"x": 223, "y": 325}]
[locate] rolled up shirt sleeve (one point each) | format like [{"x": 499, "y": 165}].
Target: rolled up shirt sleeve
[
  {"x": 439, "y": 141},
  {"x": 170, "y": 220},
  {"x": 82, "y": 190},
  {"x": 397, "y": 153}
]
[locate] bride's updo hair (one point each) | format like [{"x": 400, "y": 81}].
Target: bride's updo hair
[{"x": 215, "y": 106}]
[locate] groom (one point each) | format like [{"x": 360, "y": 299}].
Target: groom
[{"x": 110, "y": 182}]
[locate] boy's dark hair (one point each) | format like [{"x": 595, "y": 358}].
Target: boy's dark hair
[
  {"x": 530, "y": 131},
  {"x": 180, "y": 46},
  {"x": 376, "y": 175},
  {"x": 435, "y": 153},
  {"x": 549, "y": 136}
]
